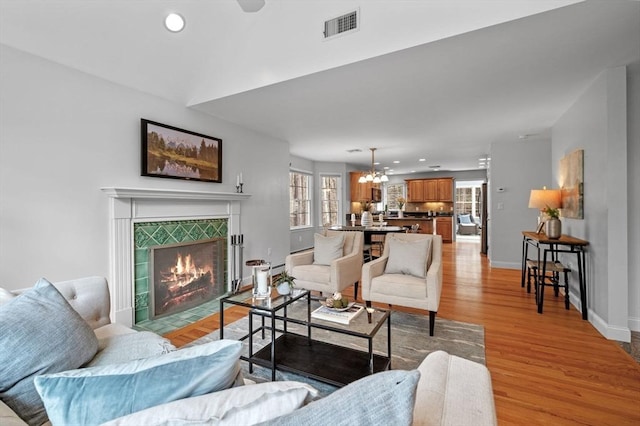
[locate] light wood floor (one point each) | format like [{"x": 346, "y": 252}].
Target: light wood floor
[{"x": 551, "y": 369}]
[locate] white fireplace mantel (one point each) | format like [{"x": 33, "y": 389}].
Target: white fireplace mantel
[
  {"x": 172, "y": 194},
  {"x": 128, "y": 205}
]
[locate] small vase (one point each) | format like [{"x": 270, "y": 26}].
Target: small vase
[
  {"x": 553, "y": 228},
  {"x": 284, "y": 288},
  {"x": 400, "y": 214},
  {"x": 366, "y": 219}
]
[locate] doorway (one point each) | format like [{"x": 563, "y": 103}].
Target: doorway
[{"x": 468, "y": 209}]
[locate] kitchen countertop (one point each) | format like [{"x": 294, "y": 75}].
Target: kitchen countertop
[{"x": 419, "y": 216}]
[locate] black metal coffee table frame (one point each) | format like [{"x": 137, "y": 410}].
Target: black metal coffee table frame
[{"x": 300, "y": 354}]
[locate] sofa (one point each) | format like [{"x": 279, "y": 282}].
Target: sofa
[{"x": 443, "y": 390}]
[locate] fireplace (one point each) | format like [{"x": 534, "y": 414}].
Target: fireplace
[
  {"x": 185, "y": 275},
  {"x": 178, "y": 264},
  {"x": 154, "y": 217}
]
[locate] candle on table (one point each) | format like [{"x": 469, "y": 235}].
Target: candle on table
[
  {"x": 238, "y": 180},
  {"x": 262, "y": 282},
  {"x": 241, "y": 181}
]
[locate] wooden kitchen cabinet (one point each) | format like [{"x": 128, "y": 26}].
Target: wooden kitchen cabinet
[
  {"x": 445, "y": 190},
  {"x": 415, "y": 191},
  {"x": 359, "y": 191},
  {"x": 426, "y": 226},
  {"x": 444, "y": 227},
  {"x": 431, "y": 190}
]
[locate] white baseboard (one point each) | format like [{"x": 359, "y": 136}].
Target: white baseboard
[{"x": 505, "y": 265}]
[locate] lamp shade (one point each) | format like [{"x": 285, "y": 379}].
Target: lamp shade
[{"x": 541, "y": 198}]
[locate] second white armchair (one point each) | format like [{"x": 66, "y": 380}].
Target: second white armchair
[
  {"x": 332, "y": 265},
  {"x": 409, "y": 273}
]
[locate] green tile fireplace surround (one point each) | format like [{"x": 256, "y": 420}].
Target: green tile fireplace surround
[{"x": 150, "y": 234}]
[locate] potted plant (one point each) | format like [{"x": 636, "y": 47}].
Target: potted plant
[
  {"x": 401, "y": 201},
  {"x": 285, "y": 283},
  {"x": 553, "y": 225}
]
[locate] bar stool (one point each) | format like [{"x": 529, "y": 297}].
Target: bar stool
[
  {"x": 367, "y": 252},
  {"x": 377, "y": 242},
  {"x": 554, "y": 269}
]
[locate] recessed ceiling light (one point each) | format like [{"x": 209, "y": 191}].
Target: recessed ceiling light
[
  {"x": 413, "y": 171},
  {"x": 396, "y": 162},
  {"x": 174, "y": 22},
  {"x": 422, "y": 159}
]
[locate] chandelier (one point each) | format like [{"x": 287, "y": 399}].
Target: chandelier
[{"x": 373, "y": 176}]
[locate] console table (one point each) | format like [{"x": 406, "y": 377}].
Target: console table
[{"x": 552, "y": 247}]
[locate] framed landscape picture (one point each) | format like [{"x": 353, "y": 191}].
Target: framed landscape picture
[{"x": 170, "y": 152}]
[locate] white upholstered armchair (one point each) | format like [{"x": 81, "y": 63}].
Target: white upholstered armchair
[
  {"x": 333, "y": 264},
  {"x": 409, "y": 273}
]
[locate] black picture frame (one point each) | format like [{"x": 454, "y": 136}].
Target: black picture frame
[
  {"x": 540, "y": 227},
  {"x": 174, "y": 153}
]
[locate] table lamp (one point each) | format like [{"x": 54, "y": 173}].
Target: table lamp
[{"x": 543, "y": 199}]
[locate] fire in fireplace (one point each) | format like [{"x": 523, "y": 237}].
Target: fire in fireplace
[{"x": 182, "y": 276}]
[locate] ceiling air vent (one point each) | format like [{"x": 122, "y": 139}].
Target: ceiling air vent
[{"x": 341, "y": 24}]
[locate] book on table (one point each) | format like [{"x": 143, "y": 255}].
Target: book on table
[{"x": 342, "y": 317}]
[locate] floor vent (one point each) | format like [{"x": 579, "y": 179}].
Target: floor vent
[{"x": 341, "y": 24}]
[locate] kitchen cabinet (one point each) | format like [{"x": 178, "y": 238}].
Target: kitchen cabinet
[
  {"x": 444, "y": 227},
  {"x": 415, "y": 191},
  {"x": 360, "y": 191},
  {"x": 445, "y": 190},
  {"x": 430, "y": 190},
  {"x": 426, "y": 226}
]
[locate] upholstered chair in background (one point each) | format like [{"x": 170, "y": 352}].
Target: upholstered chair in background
[
  {"x": 409, "y": 273},
  {"x": 334, "y": 263}
]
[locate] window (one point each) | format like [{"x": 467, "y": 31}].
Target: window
[
  {"x": 330, "y": 206},
  {"x": 468, "y": 200},
  {"x": 299, "y": 199},
  {"x": 392, "y": 192}
]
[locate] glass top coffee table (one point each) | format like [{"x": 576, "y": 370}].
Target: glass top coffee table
[{"x": 296, "y": 346}]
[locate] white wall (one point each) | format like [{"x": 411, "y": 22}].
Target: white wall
[
  {"x": 597, "y": 123},
  {"x": 517, "y": 167},
  {"x": 65, "y": 134}
]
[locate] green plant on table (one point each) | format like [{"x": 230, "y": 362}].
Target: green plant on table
[{"x": 285, "y": 278}]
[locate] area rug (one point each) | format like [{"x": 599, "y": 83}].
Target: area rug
[{"x": 410, "y": 343}]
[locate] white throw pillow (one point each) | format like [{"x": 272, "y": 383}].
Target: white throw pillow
[
  {"x": 408, "y": 257},
  {"x": 244, "y": 405},
  {"x": 327, "y": 249}
]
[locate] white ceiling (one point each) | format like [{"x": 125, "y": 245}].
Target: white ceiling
[{"x": 430, "y": 79}]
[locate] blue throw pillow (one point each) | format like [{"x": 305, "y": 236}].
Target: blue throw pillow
[
  {"x": 91, "y": 396},
  {"x": 465, "y": 218},
  {"x": 385, "y": 398},
  {"x": 39, "y": 333}
]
